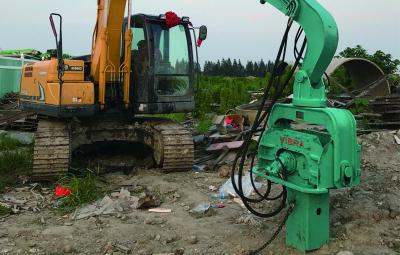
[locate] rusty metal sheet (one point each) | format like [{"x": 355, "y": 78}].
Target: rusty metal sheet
[{"x": 228, "y": 145}]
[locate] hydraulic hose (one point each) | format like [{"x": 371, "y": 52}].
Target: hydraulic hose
[
  {"x": 265, "y": 123},
  {"x": 260, "y": 118},
  {"x": 243, "y": 150}
]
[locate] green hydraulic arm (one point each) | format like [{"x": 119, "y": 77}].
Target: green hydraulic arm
[
  {"x": 322, "y": 40},
  {"x": 310, "y": 162}
]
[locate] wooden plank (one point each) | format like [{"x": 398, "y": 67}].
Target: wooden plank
[{"x": 160, "y": 210}]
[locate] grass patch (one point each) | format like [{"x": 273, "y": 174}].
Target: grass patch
[
  {"x": 4, "y": 211},
  {"x": 84, "y": 190},
  {"x": 360, "y": 105},
  {"x": 178, "y": 117},
  {"x": 15, "y": 160},
  {"x": 8, "y": 143},
  {"x": 204, "y": 125}
]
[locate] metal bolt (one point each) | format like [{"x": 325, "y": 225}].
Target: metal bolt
[
  {"x": 348, "y": 172},
  {"x": 301, "y": 76}
]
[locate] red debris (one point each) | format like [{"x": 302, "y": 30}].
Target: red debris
[
  {"x": 235, "y": 120},
  {"x": 228, "y": 120},
  {"x": 62, "y": 191},
  {"x": 171, "y": 19},
  {"x": 221, "y": 205}
]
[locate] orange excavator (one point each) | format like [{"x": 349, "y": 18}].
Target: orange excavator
[{"x": 139, "y": 66}]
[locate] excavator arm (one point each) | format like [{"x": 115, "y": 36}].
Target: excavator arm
[
  {"x": 322, "y": 40},
  {"x": 106, "y": 62}
]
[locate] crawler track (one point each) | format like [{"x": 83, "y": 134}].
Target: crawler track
[
  {"x": 177, "y": 149},
  {"x": 52, "y": 151},
  {"x": 54, "y": 142}
]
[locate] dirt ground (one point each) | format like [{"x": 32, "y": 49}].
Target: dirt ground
[{"x": 364, "y": 220}]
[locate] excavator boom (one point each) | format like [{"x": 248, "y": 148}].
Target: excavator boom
[{"x": 106, "y": 61}]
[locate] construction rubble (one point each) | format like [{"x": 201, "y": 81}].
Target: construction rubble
[
  {"x": 194, "y": 212},
  {"x": 198, "y": 212}
]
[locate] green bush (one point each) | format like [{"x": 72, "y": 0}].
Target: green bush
[
  {"x": 204, "y": 124},
  {"x": 221, "y": 94},
  {"x": 218, "y": 95}
]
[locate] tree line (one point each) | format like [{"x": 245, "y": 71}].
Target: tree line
[{"x": 235, "y": 68}]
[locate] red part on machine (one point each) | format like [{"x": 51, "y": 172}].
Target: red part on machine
[
  {"x": 199, "y": 42},
  {"x": 171, "y": 19}
]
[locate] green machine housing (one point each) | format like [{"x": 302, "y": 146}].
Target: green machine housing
[{"x": 310, "y": 161}]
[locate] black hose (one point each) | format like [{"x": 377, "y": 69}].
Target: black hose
[
  {"x": 244, "y": 148},
  {"x": 284, "y": 192},
  {"x": 296, "y": 40},
  {"x": 243, "y": 151},
  {"x": 275, "y": 234},
  {"x": 269, "y": 110}
]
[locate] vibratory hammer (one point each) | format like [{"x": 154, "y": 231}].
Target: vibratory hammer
[{"x": 309, "y": 162}]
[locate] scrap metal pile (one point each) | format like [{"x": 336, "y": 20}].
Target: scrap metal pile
[
  {"x": 220, "y": 144},
  {"x": 11, "y": 117},
  {"x": 386, "y": 112},
  {"x": 368, "y": 95},
  {"x": 373, "y": 112}
]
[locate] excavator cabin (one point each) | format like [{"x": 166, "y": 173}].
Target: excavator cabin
[
  {"x": 163, "y": 65},
  {"x": 162, "y": 79}
]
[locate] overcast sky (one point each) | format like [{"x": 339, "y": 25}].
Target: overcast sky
[{"x": 242, "y": 29}]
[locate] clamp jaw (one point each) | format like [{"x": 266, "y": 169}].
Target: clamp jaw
[
  {"x": 309, "y": 163},
  {"x": 312, "y": 161}
]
